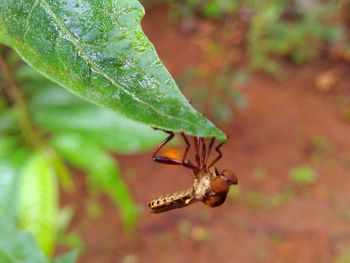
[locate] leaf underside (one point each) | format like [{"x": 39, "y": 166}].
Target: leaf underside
[{"x": 97, "y": 50}]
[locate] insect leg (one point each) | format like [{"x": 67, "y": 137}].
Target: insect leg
[
  {"x": 217, "y": 149},
  {"x": 209, "y": 150},
  {"x": 168, "y": 160},
  {"x": 196, "y": 144},
  {"x": 203, "y": 153},
  {"x": 169, "y": 138},
  {"x": 184, "y": 160}
]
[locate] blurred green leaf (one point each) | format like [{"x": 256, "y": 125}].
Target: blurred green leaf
[
  {"x": 38, "y": 201},
  {"x": 12, "y": 153},
  {"x": 212, "y": 9},
  {"x": 343, "y": 258},
  {"x": 72, "y": 240},
  {"x": 64, "y": 217},
  {"x": 234, "y": 192},
  {"x": 7, "y": 118},
  {"x": 59, "y": 112},
  {"x": 62, "y": 172},
  {"x": 15, "y": 246},
  {"x": 257, "y": 199},
  {"x": 222, "y": 111},
  {"x": 302, "y": 175},
  {"x": 103, "y": 172},
  {"x": 18, "y": 246},
  {"x": 28, "y": 74},
  {"x": 70, "y": 257},
  {"x": 7, "y": 192},
  {"x": 281, "y": 29},
  {"x": 99, "y": 51}
]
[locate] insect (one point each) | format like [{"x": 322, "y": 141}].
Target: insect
[{"x": 210, "y": 186}]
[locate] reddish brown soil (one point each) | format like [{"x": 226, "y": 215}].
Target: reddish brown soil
[{"x": 275, "y": 134}]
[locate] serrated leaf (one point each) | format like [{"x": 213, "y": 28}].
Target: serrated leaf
[
  {"x": 97, "y": 50},
  {"x": 103, "y": 172},
  {"x": 38, "y": 201}
]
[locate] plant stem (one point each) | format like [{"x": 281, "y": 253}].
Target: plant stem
[{"x": 29, "y": 132}]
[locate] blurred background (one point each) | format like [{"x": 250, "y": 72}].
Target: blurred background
[{"x": 274, "y": 75}]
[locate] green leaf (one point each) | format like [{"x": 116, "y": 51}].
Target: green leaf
[
  {"x": 103, "y": 173},
  {"x": 16, "y": 246},
  {"x": 302, "y": 175},
  {"x": 7, "y": 191},
  {"x": 2, "y": 37},
  {"x": 61, "y": 113},
  {"x": 38, "y": 201},
  {"x": 97, "y": 50},
  {"x": 62, "y": 172}
]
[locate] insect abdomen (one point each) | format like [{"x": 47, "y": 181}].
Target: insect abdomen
[{"x": 172, "y": 201}]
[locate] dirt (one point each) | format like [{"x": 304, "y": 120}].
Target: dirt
[{"x": 288, "y": 123}]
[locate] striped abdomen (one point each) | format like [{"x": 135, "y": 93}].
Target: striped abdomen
[{"x": 172, "y": 201}]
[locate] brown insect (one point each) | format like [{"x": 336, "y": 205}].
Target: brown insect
[{"x": 209, "y": 186}]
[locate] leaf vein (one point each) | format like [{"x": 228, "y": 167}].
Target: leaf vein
[
  {"x": 97, "y": 69},
  {"x": 29, "y": 16}
]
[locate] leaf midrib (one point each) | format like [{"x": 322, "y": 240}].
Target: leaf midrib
[{"x": 96, "y": 68}]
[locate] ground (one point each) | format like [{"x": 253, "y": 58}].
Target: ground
[{"x": 288, "y": 123}]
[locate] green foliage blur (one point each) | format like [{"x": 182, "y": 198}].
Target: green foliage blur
[
  {"x": 44, "y": 133},
  {"x": 207, "y": 8},
  {"x": 214, "y": 93},
  {"x": 47, "y": 133},
  {"x": 271, "y": 33},
  {"x": 297, "y": 30}
]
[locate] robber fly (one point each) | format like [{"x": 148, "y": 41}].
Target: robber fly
[{"x": 210, "y": 186}]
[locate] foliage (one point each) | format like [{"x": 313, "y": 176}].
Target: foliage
[
  {"x": 343, "y": 258},
  {"x": 269, "y": 202},
  {"x": 65, "y": 128},
  {"x": 212, "y": 9},
  {"x": 37, "y": 200},
  {"x": 16, "y": 245},
  {"x": 296, "y": 30},
  {"x": 302, "y": 175},
  {"x": 98, "y": 51},
  {"x": 215, "y": 93},
  {"x": 282, "y": 29}
]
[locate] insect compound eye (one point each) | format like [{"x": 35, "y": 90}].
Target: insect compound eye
[{"x": 230, "y": 176}]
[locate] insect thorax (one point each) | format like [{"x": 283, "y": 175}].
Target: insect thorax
[{"x": 201, "y": 185}]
